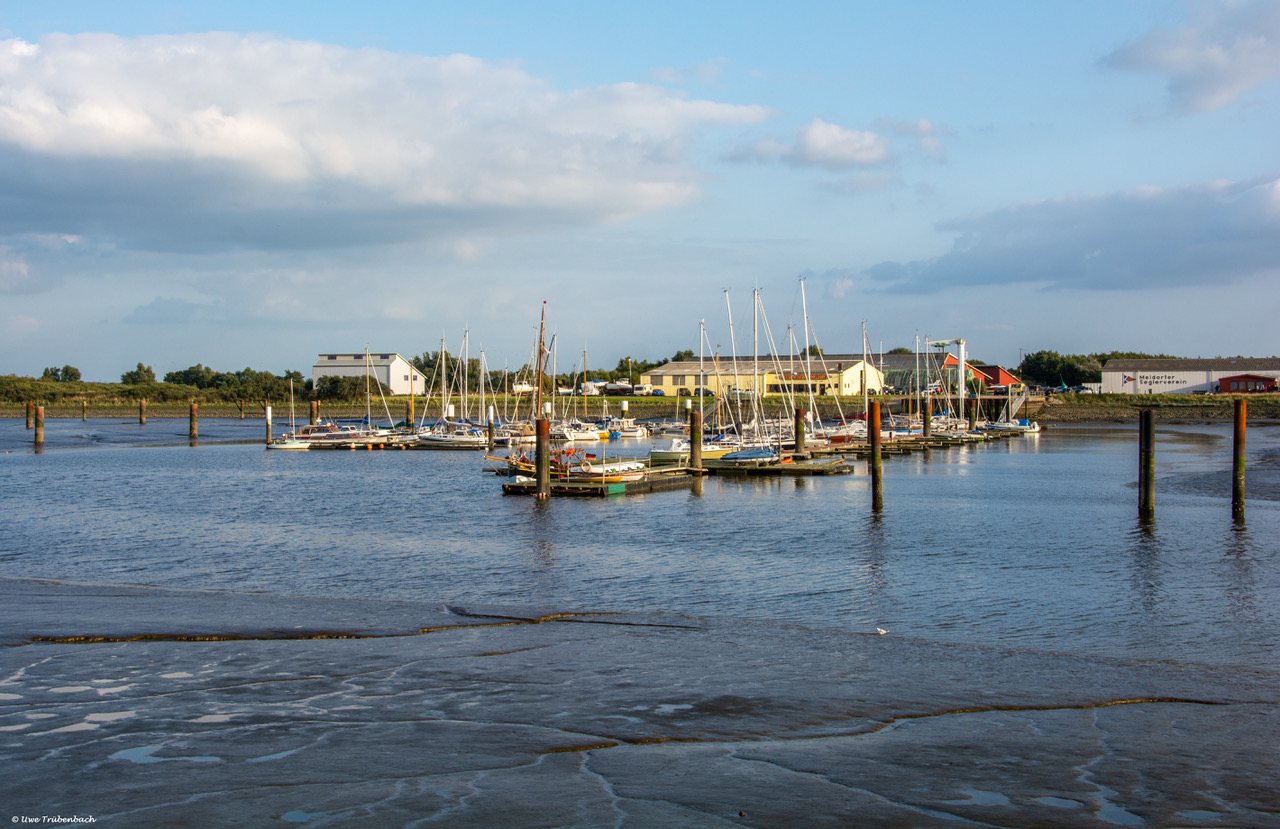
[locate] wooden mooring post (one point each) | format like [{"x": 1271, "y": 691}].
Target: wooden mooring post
[
  {"x": 315, "y": 412},
  {"x": 193, "y": 431},
  {"x": 84, "y": 410},
  {"x": 799, "y": 428},
  {"x": 542, "y": 457},
  {"x": 926, "y": 419},
  {"x": 873, "y": 433},
  {"x": 1237, "y": 463},
  {"x": 39, "y": 426},
  {"x": 1147, "y": 464},
  {"x": 142, "y": 412},
  {"x": 695, "y": 440},
  {"x": 31, "y": 410},
  {"x": 268, "y": 419}
]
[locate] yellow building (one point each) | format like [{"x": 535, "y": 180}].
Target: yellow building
[{"x": 839, "y": 374}]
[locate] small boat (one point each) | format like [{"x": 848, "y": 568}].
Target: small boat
[
  {"x": 754, "y": 456},
  {"x": 573, "y": 465},
  {"x": 452, "y": 434},
  {"x": 1022, "y": 426}
]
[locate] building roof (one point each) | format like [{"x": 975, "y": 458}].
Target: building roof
[
  {"x": 376, "y": 358},
  {"x": 1240, "y": 364}
]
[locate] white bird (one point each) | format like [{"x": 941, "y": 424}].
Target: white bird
[{"x": 881, "y": 631}]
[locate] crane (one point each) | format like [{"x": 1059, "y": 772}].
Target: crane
[{"x": 960, "y": 384}]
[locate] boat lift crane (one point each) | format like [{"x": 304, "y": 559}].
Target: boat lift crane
[{"x": 960, "y": 378}]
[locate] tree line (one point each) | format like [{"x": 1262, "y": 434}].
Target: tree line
[
  {"x": 1046, "y": 368},
  {"x": 1049, "y": 368}
]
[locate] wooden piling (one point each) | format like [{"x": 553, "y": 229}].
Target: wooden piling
[
  {"x": 240, "y": 404},
  {"x": 799, "y": 428},
  {"x": 193, "y": 431},
  {"x": 1237, "y": 465},
  {"x": 695, "y": 439},
  {"x": 408, "y": 412},
  {"x": 39, "y": 426},
  {"x": 84, "y": 410},
  {"x": 268, "y": 419},
  {"x": 873, "y": 433},
  {"x": 315, "y": 412},
  {"x": 973, "y": 414},
  {"x": 30, "y": 414},
  {"x": 142, "y": 412},
  {"x": 542, "y": 457},
  {"x": 1146, "y": 464},
  {"x": 926, "y": 414}
]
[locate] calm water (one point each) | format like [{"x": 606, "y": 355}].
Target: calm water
[{"x": 1031, "y": 543}]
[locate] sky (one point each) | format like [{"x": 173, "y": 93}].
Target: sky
[{"x": 253, "y": 184}]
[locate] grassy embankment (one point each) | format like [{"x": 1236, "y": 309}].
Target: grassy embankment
[{"x": 1124, "y": 408}]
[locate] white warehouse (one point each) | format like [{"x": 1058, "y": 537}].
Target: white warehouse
[
  {"x": 392, "y": 370},
  {"x": 1181, "y": 376}
]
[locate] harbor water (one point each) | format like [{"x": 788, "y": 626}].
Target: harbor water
[{"x": 1031, "y": 543}]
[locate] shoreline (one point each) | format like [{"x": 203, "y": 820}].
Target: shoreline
[{"x": 1054, "y": 409}]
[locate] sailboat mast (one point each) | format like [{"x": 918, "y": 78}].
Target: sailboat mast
[
  {"x": 866, "y": 405},
  {"x": 733, "y": 345},
  {"x": 702, "y": 372},
  {"x": 542, "y": 325},
  {"x": 444, "y": 384}
]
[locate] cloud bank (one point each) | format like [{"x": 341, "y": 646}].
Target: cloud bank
[
  {"x": 1206, "y": 234},
  {"x": 1232, "y": 48},
  {"x": 214, "y": 141},
  {"x": 822, "y": 144}
]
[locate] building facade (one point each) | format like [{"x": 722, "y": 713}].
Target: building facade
[
  {"x": 1182, "y": 376},
  {"x": 838, "y": 374},
  {"x": 392, "y": 370}
]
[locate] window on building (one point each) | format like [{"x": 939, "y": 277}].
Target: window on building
[
  {"x": 677, "y": 379},
  {"x": 331, "y": 356},
  {"x": 384, "y": 356},
  {"x": 657, "y": 381}
]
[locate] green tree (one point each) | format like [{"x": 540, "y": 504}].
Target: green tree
[
  {"x": 683, "y": 356},
  {"x": 54, "y": 374},
  {"x": 141, "y": 374},
  {"x": 900, "y": 350},
  {"x": 70, "y": 374}
]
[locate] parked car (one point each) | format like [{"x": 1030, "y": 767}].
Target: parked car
[{"x": 658, "y": 393}]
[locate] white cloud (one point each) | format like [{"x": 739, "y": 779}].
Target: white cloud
[
  {"x": 1233, "y": 47},
  {"x": 1151, "y": 237},
  {"x": 821, "y": 144},
  {"x": 262, "y": 142},
  {"x": 15, "y": 275}
]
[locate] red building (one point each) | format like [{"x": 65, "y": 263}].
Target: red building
[
  {"x": 995, "y": 376},
  {"x": 1246, "y": 384}
]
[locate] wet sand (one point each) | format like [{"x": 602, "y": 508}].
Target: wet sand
[{"x": 143, "y": 706}]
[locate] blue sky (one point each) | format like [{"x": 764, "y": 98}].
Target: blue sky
[{"x": 253, "y": 184}]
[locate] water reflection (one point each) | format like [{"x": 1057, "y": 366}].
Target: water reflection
[{"x": 1145, "y": 579}]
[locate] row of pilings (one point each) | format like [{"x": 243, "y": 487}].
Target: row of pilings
[
  {"x": 1146, "y": 449},
  {"x": 1147, "y": 463}
]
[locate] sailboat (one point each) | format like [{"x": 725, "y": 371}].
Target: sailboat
[{"x": 291, "y": 439}]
